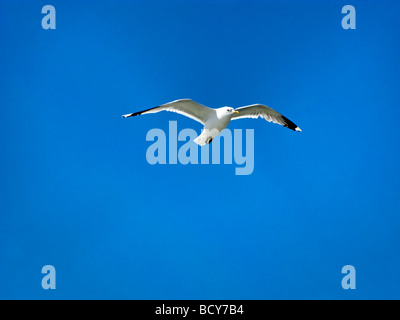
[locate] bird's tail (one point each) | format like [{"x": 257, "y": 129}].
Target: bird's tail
[
  {"x": 206, "y": 137},
  {"x": 202, "y": 139}
]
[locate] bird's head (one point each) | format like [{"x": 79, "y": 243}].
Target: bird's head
[{"x": 227, "y": 111}]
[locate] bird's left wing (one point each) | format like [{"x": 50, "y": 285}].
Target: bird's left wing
[
  {"x": 186, "y": 107},
  {"x": 269, "y": 114}
]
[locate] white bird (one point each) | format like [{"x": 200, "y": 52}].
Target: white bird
[{"x": 216, "y": 120}]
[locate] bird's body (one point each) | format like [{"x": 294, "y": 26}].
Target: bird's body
[
  {"x": 216, "y": 120},
  {"x": 214, "y": 125}
]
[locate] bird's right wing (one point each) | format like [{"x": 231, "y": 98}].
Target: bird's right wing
[
  {"x": 269, "y": 114},
  {"x": 186, "y": 107}
]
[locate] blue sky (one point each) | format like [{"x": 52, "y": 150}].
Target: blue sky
[{"x": 77, "y": 192}]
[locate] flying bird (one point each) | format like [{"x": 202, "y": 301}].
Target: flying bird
[{"x": 216, "y": 120}]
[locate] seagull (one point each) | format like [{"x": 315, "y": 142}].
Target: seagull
[{"x": 216, "y": 120}]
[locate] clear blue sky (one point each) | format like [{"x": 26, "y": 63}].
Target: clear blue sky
[{"x": 77, "y": 192}]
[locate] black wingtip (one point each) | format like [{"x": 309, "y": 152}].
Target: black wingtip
[
  {"x": 289, "y": 124},
  {"x": 137, "y": 113}
]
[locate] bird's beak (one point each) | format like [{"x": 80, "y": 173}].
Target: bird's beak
[{"x": 235, "y": 111}]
